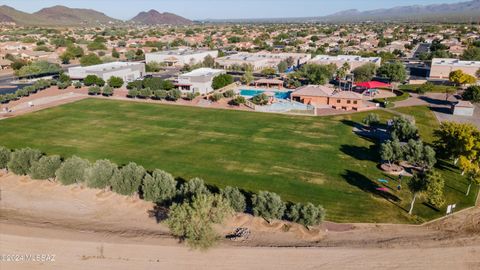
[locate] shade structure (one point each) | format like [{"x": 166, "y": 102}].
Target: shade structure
[{"x": 373, "y": 84}]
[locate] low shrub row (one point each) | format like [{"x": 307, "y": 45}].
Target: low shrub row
[
  {"x": 159, "y": 187},
  {"x": 146, "y": 93},
  {"x": 27, "y": 90},
  {"x": 97, "y": 90}
]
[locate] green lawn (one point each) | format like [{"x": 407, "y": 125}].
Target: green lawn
[
  {"x": 436, "y": 89},
  {"x": 305, "y": 159}
]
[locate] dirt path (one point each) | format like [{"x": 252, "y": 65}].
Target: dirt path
[{"x": 93, "y": 228}]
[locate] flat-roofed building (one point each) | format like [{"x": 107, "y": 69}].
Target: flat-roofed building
[
  {"x": 441, "y": 67},
  {"x": 198, "y": 80},
  {"x": 353, "y": 60},
  {"x": 261, "y": 60},
  {"x": 180, "y": 57},
  {"x": 128, "y": 71}
]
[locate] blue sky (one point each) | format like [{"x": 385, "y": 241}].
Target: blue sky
[{"x": 220, "y": 9}]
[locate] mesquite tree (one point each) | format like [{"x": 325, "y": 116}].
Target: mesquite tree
[
  {"x": 73, "y": 171},
  {"x": 21, "y": 160},
  {"x": 100, "y": 174},
  {"x": 235, "y": 197},
  {"x": 127, "y": 180},
  {"x": 268, "y": 205},
  {"x": 45, "y": 167},
  {"x": 159, "y": 187}
]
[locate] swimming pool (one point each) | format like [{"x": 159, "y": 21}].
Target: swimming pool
[{"x": 249, "y": 93}]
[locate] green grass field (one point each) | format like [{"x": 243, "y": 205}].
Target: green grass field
[{"x": 304, "y": 159}]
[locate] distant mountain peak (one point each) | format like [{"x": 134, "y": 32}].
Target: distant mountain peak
[{"x": 153, "y": 17}]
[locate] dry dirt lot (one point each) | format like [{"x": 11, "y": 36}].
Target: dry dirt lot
[{"x": 86, "y": 228}]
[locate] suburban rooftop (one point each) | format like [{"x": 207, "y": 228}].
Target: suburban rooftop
[
  {"x": 454, "y": 62},
  {"x": 203, "y": 72},
  {"x": 182, "y": 52},
  {"x": 348, "y": 58},
  {"x": 108, "y": 66}
]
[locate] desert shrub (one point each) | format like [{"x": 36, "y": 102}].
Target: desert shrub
[
  {"x": 192, "y": 188},
  {"x": 100, "y": 174},
  {"x": 21, "y": 160},
  {"x": 5, "y": 154},
  {"x": 45, "y": 167},
  {"x": 107, "y": 91},
  {"x": 128, "y": 179},
  {"x": 306, "y": 214},
  {"x": 77, "y": 85},
  {"x": 64, "y": 85},
  {"x": 215, "y": 97},
  {"x": 191, "y": 96},
  {"x": 160, "y": 94},
  {"x": 132, "y": 93},
  {"x": 94, "y": 90},
  {"x": 174, "y": 94},
  {"x": 229, "y": 94},
  {"x": 260, "y": 99},
  {"x": 159, "y": 187},
  {"x": 235, "y": 197},
  {"x": 144, "y": 93},
  {"x": 237, "y": 101},
  {"x": 73, "y": 170},
  {"x": 268, "y": 205}
]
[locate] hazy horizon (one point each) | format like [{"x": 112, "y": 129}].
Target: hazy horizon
[{"x": 221, "y": 9}]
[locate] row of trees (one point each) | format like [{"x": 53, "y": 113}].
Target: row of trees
[
  {"x": 146, "y": 93},
  {"x": 94, "y": 80},
  {"x": 97, "y": 90},
  {"x": 153, "y": 83},
  {"x": 27, "y": 90},
  {"x": 194, "y": 208}
]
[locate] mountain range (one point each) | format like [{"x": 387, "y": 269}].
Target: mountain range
[
  {"x": 452, "y": 13},
  {"x": 457, "y": 12},
  {"x": 64, "y": 16},
  {"x": 61, "y": 15}
]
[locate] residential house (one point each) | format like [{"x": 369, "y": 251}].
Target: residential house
[{"x": 198, "y": 80}]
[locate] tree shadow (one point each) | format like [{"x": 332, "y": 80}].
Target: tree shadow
[
  {"x": 367, "y": 185},
  {"x": 353, "y": 124},
  {"x": 434, "y": 100},
  {"x": 159, "y": 212},
  {"x": 444, "y": 110},
  {"x": 432, "y": 207},
  {"x": 446, "y": 166},
  {"x": 361, "y": 152},
  {"x": 375, "y": 134}
]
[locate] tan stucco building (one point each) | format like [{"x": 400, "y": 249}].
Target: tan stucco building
[
  {"x": 441, "y": 67},
  {"x": 319, "y": 95}
]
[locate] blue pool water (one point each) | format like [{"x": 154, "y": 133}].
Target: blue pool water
[{"x": 249, "y": 93}]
